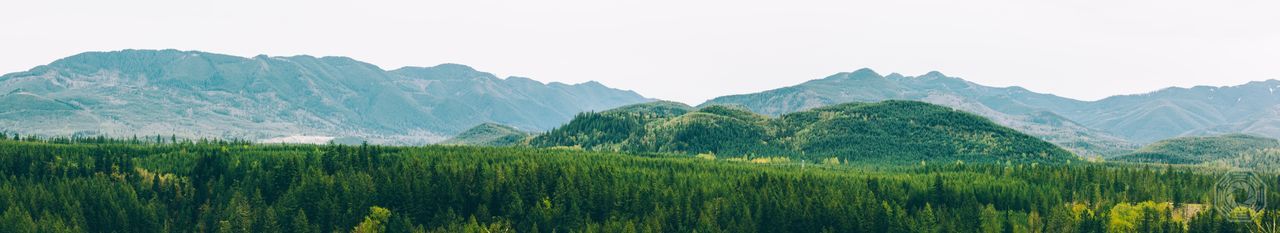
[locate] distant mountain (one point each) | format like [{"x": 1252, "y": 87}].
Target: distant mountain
[
  {"x": 1249, "y": 108},
  {"x": 1014, "y": 107},
  {"x": 489, "y": 134},
  {"x": 198, "y": 94},
  {"x": 1230, "y": 150},
  {"x": 889, "y": 130}
]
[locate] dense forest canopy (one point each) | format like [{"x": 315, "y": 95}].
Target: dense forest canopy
[
  {"x": 1228, "y": 150},
  {"x": 166, "y": 185}
]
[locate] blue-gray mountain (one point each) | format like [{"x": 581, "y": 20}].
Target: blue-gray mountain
[
  {"x": 1111, "y": 126},
  {"x": 198, "y": 94},
  {"x": 1252, "y": 108}
]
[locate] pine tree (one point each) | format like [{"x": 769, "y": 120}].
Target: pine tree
[
  {"x": 991, "y": 220},
  {"x": 1060, "y": 220},
  {"x": 926, "y": 220},
  {"x": 1008, "y": 224},
  {"x": 269, "y": 222},
  {"x": 17, "y": 220},
  {"x": 938, "y": 191},
  {"x": 301, "y": 224},
  {"x": 400, "y": 223},
  {"x": 1034, "y": 223}
]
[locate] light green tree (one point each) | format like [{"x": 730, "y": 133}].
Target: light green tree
[{"x": 375, "y": 222}]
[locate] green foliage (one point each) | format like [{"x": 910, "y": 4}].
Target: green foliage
[
  {"x": 1230, "y": 150},
  {"x": 99, "y": 185},
  {"x": 375, "y": 222},
  {"x": 17, "y": 220},
  {"x": 654, "y": 109},
  {"x": 884, "y": 131}
]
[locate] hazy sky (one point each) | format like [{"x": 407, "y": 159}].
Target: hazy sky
[{"x": 690, "y": 51}]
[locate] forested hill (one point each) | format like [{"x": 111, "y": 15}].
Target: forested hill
[
  {"x": 1014, "y": 107},
  {"x": 206, "y": 95},
  {"x": 1231, "y": 149},
  {"x": 1106, "y": 127},
  {"x": 883, "y": 131},
  {"x": 489, "y": 134}
]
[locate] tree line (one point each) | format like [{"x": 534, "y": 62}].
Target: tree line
[{"x": 109, "y": 185}]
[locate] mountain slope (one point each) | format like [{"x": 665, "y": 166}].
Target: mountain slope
[
  {"x": 198, "y": 94},
  {"x": 1202, "y": 110},
  {"x": 1014, "y": 107},
  {"x": 889, "y": 130}
]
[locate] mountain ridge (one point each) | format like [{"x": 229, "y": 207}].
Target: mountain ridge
[
  {"x": 201, "y": 94},
  {"x": 1009, "y": 106},
  {"x": 1108, "y": 126},
  {"x": 99, "y": 92}
]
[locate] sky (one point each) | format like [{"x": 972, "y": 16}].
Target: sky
[{"x": 691, "y": 51}]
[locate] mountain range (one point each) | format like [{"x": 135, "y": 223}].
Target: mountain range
[
  {"x": 279, "y": 99},
  {"x": 199, "y": 94},
  {"x": 489, "y": 134},
  {"x": 1110, "y": 126}
]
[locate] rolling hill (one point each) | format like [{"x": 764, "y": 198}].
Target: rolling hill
[
  {"x": 199, "y": 94},
  {"x": 1226, "y": 149},
  {"x": 489, "y": 134},
  {"x": 882, "y": 131}
]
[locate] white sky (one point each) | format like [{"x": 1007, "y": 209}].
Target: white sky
[{"x": 690, "y": 51}]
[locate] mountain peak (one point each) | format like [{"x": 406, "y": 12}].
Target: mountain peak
[
  {"x": 1268, "y": 82},
  {"x": 447, "y": 71},
  {"x": 522, "y": 80},
  {"x": 453, "y": 67},
  {"x": 864, "y": 72},
  {"x": 591, "y": 83},
  {"x": 444, "y": 67}
]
